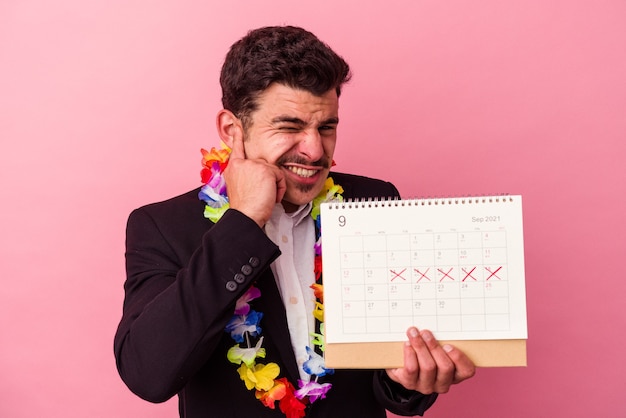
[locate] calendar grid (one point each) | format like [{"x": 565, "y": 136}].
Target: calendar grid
[{"x": 444, "y": 281}]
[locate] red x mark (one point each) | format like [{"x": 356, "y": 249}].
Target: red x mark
[
  {"x": 396, "y": 275},
  {"x": 468, "y": 274},
  {"x": 493, "y": 273},
  {"x": 445, "y": 274},
  {"x": 422, "y": 275}
]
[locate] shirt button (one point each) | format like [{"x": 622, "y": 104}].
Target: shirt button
[
  {"x": 293, "y": 300},
  {"x": 246, "y": 269},
  {"x": 239, "y": 278},
  {"x": 231, "y": 286},
  {"x": 285, "y": 239},
  {"x": 254, "y": 261}
]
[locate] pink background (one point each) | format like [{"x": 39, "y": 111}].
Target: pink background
[{"x": 104, "y": 106}]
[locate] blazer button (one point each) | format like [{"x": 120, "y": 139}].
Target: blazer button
[
  {"x": 254, "y": 261},
  {"x": 246, "y": 269},
  {"x": 239, "y": 278},
  {"x": 231, "y": 285}
]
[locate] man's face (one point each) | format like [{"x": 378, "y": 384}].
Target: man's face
[{"x": 296, "y": 131}]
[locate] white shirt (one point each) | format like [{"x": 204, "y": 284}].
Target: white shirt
[{"x": 294, "y": 233}]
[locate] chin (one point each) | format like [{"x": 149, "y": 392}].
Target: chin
[{"x": 301, "y": 198}]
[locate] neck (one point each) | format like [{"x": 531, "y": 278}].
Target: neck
[{"x": 289, "y": 207}]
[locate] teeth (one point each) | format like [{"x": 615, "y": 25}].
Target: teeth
[{"x": 302, "y": 172}]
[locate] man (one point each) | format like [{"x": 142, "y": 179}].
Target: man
[{"x": 244, "y": 272}]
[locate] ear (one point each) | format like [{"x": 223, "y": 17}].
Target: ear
[{"x": 229, "y": 127}]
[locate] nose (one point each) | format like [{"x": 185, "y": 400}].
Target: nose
[{"x": 310, "y": 145}]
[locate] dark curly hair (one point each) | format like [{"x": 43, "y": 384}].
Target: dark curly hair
[{"x": 278, "y": 54}]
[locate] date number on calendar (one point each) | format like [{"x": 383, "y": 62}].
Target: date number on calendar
[{"x": 482, "y": 219}]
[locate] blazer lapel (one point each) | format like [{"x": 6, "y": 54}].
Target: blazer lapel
[{"x": 274, "y": 324}]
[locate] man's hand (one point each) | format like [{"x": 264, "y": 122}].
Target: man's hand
[
  {"x": 254, "y": 186},
  {"x": 429, "y": 367}
]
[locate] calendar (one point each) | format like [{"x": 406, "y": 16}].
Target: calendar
[{"x": 454, "y": 266}]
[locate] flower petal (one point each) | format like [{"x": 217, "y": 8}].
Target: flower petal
[
  {"x": 276, "y": 393},
  {"x": 240, "y": 324},
  {"x": 318, "y": 311},
  {"x": 242, "y": 307},
  {"x": 236, "y": 354},
  {"x": 313, "y": 390},
  {"x": 315, "y": 364},
  {"x": 264, "y": 375},
  {"x": 291, "y": 406}
]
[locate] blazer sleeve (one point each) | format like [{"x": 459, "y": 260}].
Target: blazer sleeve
[
  {"x": 399, "y": 400},
  {"x": 175, "y": 310}
]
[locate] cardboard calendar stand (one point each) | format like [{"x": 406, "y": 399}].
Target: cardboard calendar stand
[{"x": 385, "y": 355}]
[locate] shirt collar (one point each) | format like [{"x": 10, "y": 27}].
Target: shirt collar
[{"x": 297, "y": 216}]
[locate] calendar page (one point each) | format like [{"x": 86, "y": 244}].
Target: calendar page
[{"x": 454, "y": 266}]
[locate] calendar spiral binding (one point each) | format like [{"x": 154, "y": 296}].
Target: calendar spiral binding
[{"x": 421, "y": 201}]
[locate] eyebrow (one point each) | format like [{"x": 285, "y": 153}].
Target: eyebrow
[{"x": 300, "y": 122}]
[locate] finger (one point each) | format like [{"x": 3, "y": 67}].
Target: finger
[
  {"x": 281, "y": 185},
  {"x": 411, "y": 365},
  {"x": 407, "y": 374},
  {"x": 238, "y": 149},
  {"x": 426, "y": 370},
  {"x": 464, "y": 367},
  {"x": 445, "y": 368}
]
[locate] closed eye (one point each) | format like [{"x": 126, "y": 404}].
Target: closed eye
[
  {"x": 327, "y": 129},
  {"x": 289, "y": 128}
]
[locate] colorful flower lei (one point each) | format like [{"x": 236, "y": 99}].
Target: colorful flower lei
[{"x": 245, "y": 323}]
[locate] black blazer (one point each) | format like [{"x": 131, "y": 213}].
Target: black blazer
[{"x": 180, "y": 293}]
